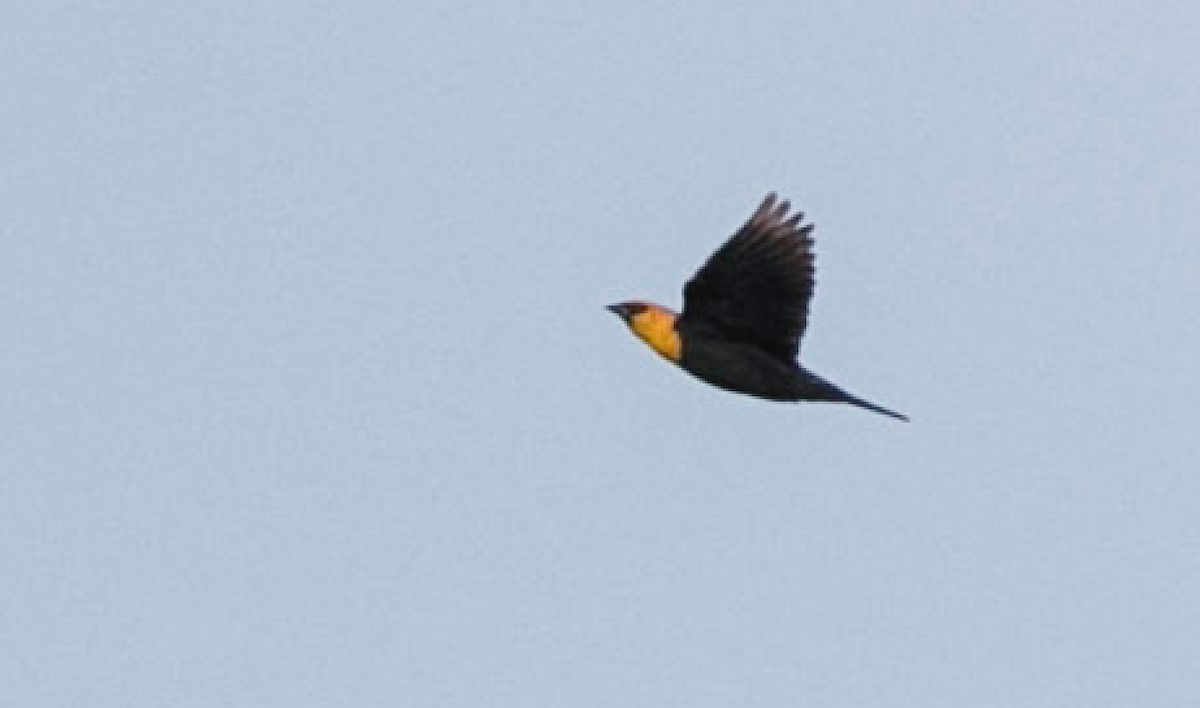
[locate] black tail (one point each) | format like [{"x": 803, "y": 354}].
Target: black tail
[
  {"x": 855, "y": 401},
  {"x": 818, "y": 389}
]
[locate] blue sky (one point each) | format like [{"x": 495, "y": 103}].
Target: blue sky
[{"x": 312, "y": 399}]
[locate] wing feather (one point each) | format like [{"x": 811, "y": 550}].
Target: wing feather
[{"x": 756, "y": 288}]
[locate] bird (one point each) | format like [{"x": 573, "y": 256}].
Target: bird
[{"x": 744, "y": 313}]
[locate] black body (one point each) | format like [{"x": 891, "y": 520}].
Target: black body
[
  {"x": 746, "y": 310},
  {"x": 744, "y": 368}
]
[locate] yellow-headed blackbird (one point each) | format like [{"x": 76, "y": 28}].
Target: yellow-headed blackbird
[{"x": 744, "y": 313}]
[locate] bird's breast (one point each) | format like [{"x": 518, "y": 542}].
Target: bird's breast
[{"x": 657, "y": 330}]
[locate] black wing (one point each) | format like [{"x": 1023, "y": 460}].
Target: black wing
[{"x": 756, "y": 287}]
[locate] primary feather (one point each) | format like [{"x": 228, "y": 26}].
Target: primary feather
[{"x": 756, "y": 288}]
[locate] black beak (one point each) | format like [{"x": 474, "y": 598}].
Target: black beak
[{"x": 620, "y": 310}]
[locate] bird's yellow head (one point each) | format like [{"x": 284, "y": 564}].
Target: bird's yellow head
[{"x": 654, "y": 325}]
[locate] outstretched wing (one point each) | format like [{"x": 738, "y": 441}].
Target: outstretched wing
[{"x": 756, "y": 287}]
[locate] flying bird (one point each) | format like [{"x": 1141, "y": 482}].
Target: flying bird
[{"x": 744, "y": 313}]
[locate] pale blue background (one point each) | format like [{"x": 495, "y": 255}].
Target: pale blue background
[{"x": 309, "y": 398}]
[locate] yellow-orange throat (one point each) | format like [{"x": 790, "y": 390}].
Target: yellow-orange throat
[{"x": 656, "y": 327}]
